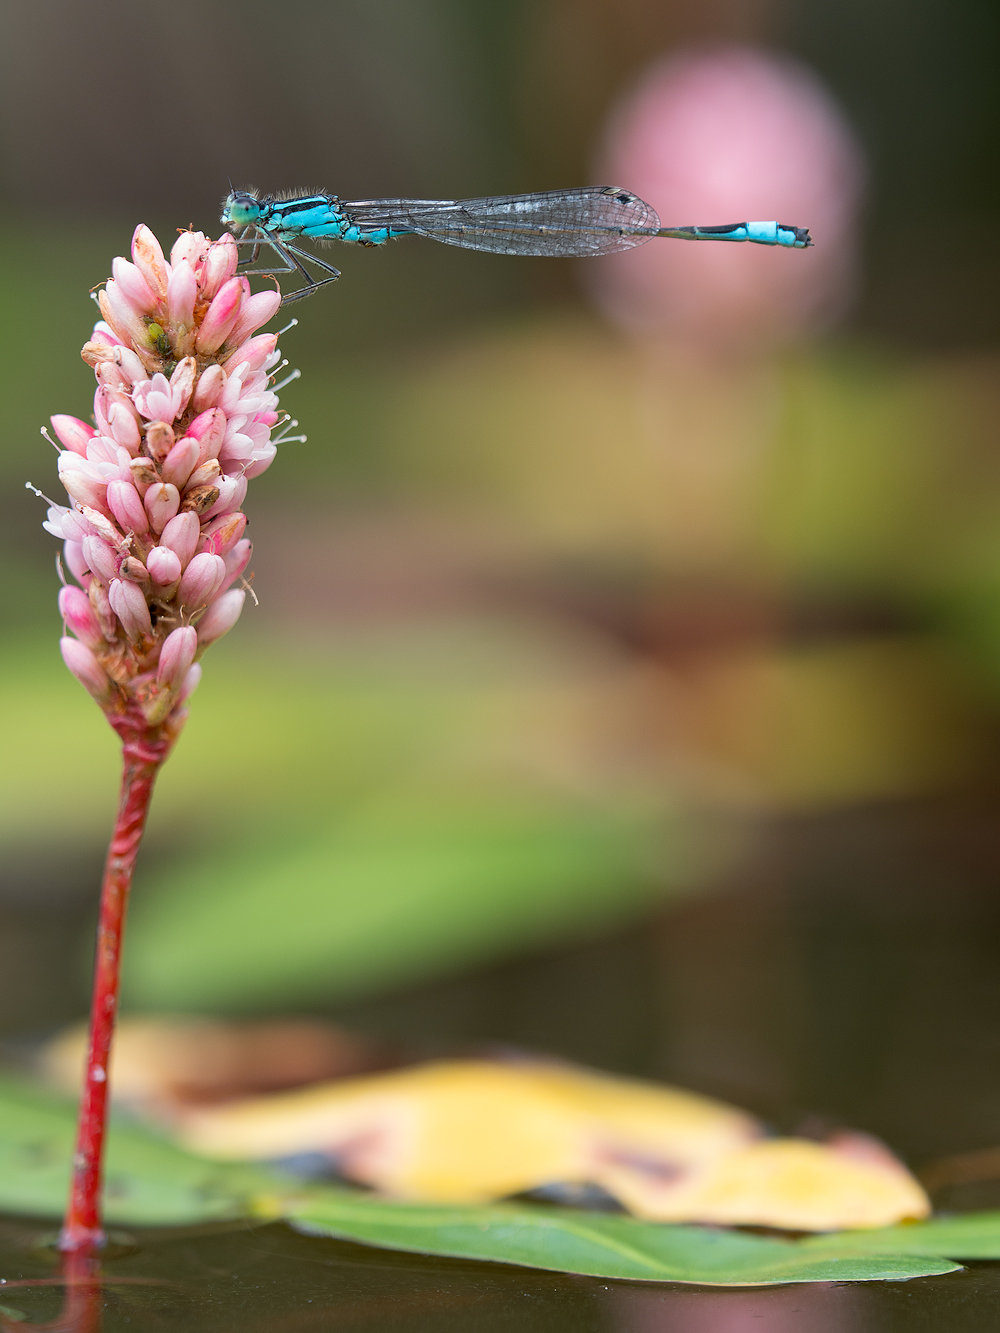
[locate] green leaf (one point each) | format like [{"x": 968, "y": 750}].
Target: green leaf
[
  {"x": 596, "y": 1244},
  {"x": 148, "y": 1181},
  {"x": 966, "y": 1236}
]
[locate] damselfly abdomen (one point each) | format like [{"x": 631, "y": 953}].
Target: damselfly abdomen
[{"x": 593, "y": 220}]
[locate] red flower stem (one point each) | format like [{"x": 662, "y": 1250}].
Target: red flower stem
[{"x": 143, "y": 751}]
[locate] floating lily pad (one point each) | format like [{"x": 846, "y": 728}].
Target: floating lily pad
[{"x": 596, "y": 1244}]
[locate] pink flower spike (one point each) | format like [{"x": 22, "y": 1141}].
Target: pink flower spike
[
  {"x": 177, "y": 655},
  {"x": 164, "y": 566},
  {"x": 123, "y": 316},
  {"x": 209, "y": 429},
  {"x": 209, "y": 387},
  {"x": 76, "y": 611},
  {"x": 162, "y": 502},
  {"x": 221, "y": 535},
  {"x": 75, "y": 560},
  {"x": 129, "y": 604},
  {"x": 201, "y": 581},
  {"x": 72, "y": 432},
  {"x": 220, "y": 264},
  {"x": 133, "y": 286},
  {"x": 182, "y": 292},
  {"x": 127, "y": 507},
  {"x": 182, "y": 382},
  {"x": 191, "y": 682},
  {"x": 181, "y": 535},
  {"x": 220, "y": 317},
  {"x": 101, "y": 558},
  {"x": 253, "y": 353},
  {"x": 86, "y": 668},
  {"x": 181, "y": 462},
  {"x": 237, "y": 561},
  {"x": 220, "y": 617},
  {"x": 255, "y": 312},
  {"x": 148, "y": 257}
]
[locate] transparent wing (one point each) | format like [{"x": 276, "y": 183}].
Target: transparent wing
[{"x": 595, "y": 220}]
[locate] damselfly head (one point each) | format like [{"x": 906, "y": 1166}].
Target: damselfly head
[{"x": 240, "y": 210}]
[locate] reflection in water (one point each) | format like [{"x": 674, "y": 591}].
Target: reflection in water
[
  {"x": 822, "y": 1307},
  {"x": 82, "y": 1304}
]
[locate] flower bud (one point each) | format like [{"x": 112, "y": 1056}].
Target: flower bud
[
  {"x": 220, "y": 264},
  {"x": 181, "y": 462},
  {"x": 253, "y": 314},
  {"x": 177, "y": 655},
  {"x": 159, "y": 440},
  {"x": 101, "y": 558},
  {"x": 220, "y": 617},
  {"x": 237, "y": 561},
  {"x": 98, "y": 596},
  {"x": 135, "y": 571},
  {"x": 232, "y": 493},
  {"x": 164, "y": 566},
  {"x": 122, "y": 315},
  {"x": 191, "y": 682},
  {"x": 133, "y": 286},
  {"x": 189, "y": 246},
  {"x": 76, "y": 562},
  {"x": 182, "y": 292},
  {"x": 263, "y": 457},
  {"x": 124, "y": 427},
  {"x": 149, "y": 260},
  {"x": 209, "y": 387},
  {"x": 73, "y": 433},
  {"x": 86, "y": 668},
  {"x": 144, "y": 474},
  {"x": 76, "y": 611},
  {"x": 84, "y": 489},
  {"x": 182, "y": 382},
  {"x": 205, "y": 474},
  {"x": 220, "y": 317},
  {"x": 162, "y": 502},
  {"x": 126, "y": 505},
  {"x": 209, "y": 429},
  {"x": 221, "y": 535},
  {"x": 181, "y": 535},
  {"x": 201, "y": 580},
  {"x": 132, "y": 368},
  {"x": 129, "y": 604},
  {"x": 253, "y": 353}
]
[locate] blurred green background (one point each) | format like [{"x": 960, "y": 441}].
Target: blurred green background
[{"x": 501, "y": 757}]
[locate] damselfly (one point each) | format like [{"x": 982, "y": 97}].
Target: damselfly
[{"x": 595, "y": 220}]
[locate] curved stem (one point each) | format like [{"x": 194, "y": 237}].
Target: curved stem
[{"x": 142, "y": 754}]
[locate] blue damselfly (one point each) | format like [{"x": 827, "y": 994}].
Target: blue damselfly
[{"x": 594, "y": 220}]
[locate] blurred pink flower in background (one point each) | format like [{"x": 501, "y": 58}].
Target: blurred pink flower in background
[{"x": 712, "y": 137}]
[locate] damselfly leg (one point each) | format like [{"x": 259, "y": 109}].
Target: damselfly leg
[{"x": 292, "y": 257}]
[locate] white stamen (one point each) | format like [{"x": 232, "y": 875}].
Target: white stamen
[
  {"x": 294, "y": 375},
  {"x": 282, "y": 332}
]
